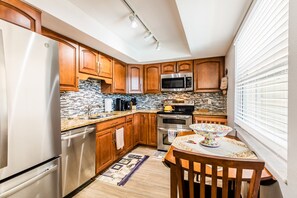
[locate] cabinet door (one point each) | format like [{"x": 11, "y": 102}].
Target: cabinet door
[
  {"x": 129, "y": 136},
  {"x": 208, "y": 73},
  {"x": 104, "y": 149},
  {"x": 20, "y": 13},
  {"x": 185, "y": 66},
  {"x": 152, "y": 78},
  {"x": 105, "y": 66},
  {"x": 144, "y": 120},
  {"x": 68, "y": 61},
  {"x": 136, "y": 128},
  {"x": 119, "y": 77},
  {"x": 168, "y": 68},
  {"x": 118, "y": 153},
  {"x": 152, "y": 133},
  {"x": 135, "y": 78},
  {"x": 88, "y": 61}
]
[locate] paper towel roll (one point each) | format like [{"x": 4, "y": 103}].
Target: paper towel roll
[{"x": 108, "y": 104}]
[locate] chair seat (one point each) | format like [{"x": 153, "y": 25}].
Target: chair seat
[{"x": 207, "y": 190}]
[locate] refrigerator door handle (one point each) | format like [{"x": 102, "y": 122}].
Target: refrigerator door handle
[
  {"x": 3, "y": 107},
  {"x": 89, "y": 130},
  {"x": 29, "y": 181}
]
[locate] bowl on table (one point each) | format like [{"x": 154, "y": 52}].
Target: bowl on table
[{"x": 211, "y": 133}]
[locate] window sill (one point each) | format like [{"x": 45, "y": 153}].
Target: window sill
[{"x": 276, "y": 166}]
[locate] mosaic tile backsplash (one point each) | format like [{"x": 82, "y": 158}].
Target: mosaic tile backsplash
[{"x": 76, "y": 103}]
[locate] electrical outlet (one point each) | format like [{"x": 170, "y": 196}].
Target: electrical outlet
[{"x": 209, "y": 101}]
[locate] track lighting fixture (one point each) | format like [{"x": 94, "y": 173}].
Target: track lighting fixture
[{"x": 132, "y": 18}]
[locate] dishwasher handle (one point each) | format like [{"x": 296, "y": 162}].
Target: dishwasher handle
[{"x": 88, "y": 130}]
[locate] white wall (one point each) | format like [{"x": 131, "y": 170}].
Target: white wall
[{"x": 280, "y": 189}]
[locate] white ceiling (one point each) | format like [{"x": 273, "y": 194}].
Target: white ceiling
[{"x": 187, "y": 29}]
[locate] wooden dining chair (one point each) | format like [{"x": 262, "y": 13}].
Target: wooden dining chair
[
  {"x": 210, "y": 120},
  {"x": 197, "y": 163}
]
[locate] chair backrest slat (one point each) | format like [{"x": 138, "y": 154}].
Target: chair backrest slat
[
  {"x": 225, "y": 181},
  {"x": 191, "y": 179},
  {"x": 215, "y": 161},
  {"x": 202, "y": 180},
  {"x": 214, "y": 174},
  {"x": 238, "y": 182}
]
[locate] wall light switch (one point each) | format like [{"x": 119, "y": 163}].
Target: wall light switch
[{"x": 209, "y": 101}]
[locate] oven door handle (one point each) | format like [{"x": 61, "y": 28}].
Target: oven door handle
[{"x": 175, "y": 116}]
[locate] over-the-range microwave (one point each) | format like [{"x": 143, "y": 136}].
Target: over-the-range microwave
[{"x": 177, "y": 82}]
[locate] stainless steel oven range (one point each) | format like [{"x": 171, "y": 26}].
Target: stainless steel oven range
[{"x": 175, "y": 121}]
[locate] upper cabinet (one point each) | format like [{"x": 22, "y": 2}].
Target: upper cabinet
[
  {"x": 177, "y": 67},
  {"x": 118, "y": 84},
  {"x": 105, "y": 66},
  {"x": 68, "y": 60},
  {"x": 168, "y": 68},
  {"x": 88, "y": 63},
  {"x": 152, "y": 78},
  {"x": 135, "y": 79},
  {"x": 19, "y": 13},
  {"x": 208, "y": 73},
  {"x": 185, "y": 66},
  {"x": 119, "y": 77}
]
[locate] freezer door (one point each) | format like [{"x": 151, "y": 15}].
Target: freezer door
[
  {"x": 33, "y": 132},
  {"x": 43, "y": 181}
]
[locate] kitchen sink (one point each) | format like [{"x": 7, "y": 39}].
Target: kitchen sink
[{"x": 105, "y": 115}]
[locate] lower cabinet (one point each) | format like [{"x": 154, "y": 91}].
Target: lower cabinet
[
  {"x": 129, "y": 136},
  {"x": 148, "y": 129},
  {"x": 136, "y": 128},
  {"x": 104, "y": 149},
  {"x": 118, "y": 153}
]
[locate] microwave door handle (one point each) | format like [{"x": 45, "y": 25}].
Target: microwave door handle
[{"x": 3, "y": 107}]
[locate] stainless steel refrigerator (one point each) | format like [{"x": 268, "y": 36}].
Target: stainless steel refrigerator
[{"x": 30, "y": 129}]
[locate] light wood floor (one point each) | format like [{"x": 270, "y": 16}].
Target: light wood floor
[{"x": 152, "y": 179}]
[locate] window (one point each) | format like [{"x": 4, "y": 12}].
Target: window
[{"x": 261, "y": 75}]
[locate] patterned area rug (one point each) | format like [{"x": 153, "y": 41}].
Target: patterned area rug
[{"x": 120, "y": 172}]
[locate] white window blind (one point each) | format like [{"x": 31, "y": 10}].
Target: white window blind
[{"x": 261, "y": 75}]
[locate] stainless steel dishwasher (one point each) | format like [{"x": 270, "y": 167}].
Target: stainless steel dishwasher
[{"x": 78, "y": 157}]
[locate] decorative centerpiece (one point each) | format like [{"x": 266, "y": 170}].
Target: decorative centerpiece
[{"x": 210, "y": 132}]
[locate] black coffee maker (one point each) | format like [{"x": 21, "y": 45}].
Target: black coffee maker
[{"x": 120, "y": 105}]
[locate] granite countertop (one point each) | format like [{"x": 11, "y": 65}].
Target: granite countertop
[
  {"x": 67, "y": 124},
  {"x": 210, "y": 113}
]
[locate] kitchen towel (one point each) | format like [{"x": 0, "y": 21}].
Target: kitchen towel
[
  {"x": 120, "y": 138},
  {"x": 171, "y": 135}
]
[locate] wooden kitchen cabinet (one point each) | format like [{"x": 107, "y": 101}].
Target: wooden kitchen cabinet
[
  {"x": 136, "y": 128},
  {"x": 21, "y": 14},
  {"x": 105, "y": 66},
  {"x": 152, "y": 132},
  {"x": 152, "y": 78},
  {"x": 210, "y": 119},
  {"x": 104, "y": 149},
  {"x": 88, "y": 63},
  {"x": 129, "y": 136},
  {"x": 135, "y": 79},
  {"x": 184, "y": 66},
  {"x": 118, "y": 84},
  {"x": 208, "y": 73},
  {"x": 119, "y": 153},
  {"x": 168, "y": 68},
  {"x": 144, "y": 127},
  {"x": 68, "y": 60}
]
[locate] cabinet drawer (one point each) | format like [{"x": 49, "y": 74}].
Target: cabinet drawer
[
  {"x": 110, "y": 123},
  {"x": 129, "y": 118}
]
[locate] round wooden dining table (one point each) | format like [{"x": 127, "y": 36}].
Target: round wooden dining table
[{"x": 169, "y": 161}]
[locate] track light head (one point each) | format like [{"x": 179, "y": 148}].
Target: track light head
[
  {"x": 132, "y": 18},
  {"x": 158, "y": 48},
  {"x": 148, "y": 35}
]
